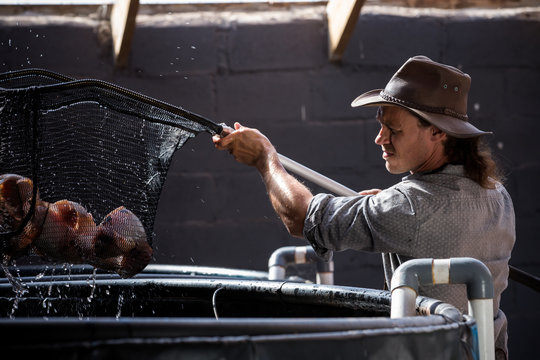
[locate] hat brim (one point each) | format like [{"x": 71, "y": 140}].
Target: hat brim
[{"x": 450, "y": 125}]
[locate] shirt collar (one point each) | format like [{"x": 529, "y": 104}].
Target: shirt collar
[{"x": 449, "y": 169}]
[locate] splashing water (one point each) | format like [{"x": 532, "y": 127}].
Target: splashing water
[
  {"x": 18, "y": 286},
  {"x": 92, "y": 285},
  {"x": 120, "y": 304}
]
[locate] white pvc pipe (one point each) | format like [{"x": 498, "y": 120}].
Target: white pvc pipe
[
  {"x": 482, "y": 311},
  {"x": 276, "y": 272},
  {"x": 441, "y": 271},
  {"x": 326, "y": 278},
  {"x": 300, "y": 255},
  {"x": 403, "y": 302}
]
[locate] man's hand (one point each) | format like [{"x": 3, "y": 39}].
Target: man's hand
[
  {"x": 248, "y": 146},
  {"x": 370, "y": 192}
]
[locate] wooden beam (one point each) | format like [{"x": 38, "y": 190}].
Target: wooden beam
[
  {"x": 342, "y": 16},
  {"x": 123, "y": 16}
]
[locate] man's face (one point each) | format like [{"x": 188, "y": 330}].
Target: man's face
[{"x": 406, "y": 144}]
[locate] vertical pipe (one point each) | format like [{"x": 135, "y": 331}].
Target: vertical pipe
[
  {"x": 482, "y": 311},
  {"x": 403, "y": 302}
]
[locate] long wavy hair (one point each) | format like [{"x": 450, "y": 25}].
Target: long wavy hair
[
  {"x": 475, "y": 156},
  {"x": 477, "y": 160}
]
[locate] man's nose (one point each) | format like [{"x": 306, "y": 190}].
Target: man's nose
[{"x": 382, "y": 137}]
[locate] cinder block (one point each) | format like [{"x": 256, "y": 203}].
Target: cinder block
[
  {"x": 318, "y": 142},
  {"x": 260, "y": 47},
  {"x": 487, "y": 87},
  {"x": 261, "y": 97},
  {"x": 523, "y": 89},
  {"x": 386, "y": 40},
  {"x": 332, "y": 92},
  {"x": 495, "y": 41},
  {"x": 242, "y": 197},
  {"x": 188, "y": 198},
  {"x": 525, "y": 249},
  {"x": 174, "y": 50},
  {"x": 515, "y": 141},
  {"x": 193, "y": 93},
  {"x": 526, "y": 181},
  {"x": 69, "y": 49}
]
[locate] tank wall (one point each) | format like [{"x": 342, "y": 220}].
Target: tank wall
[{"x": 272, "y": 72}]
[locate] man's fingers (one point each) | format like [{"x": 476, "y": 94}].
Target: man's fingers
[{"x": 370, "y": 192}]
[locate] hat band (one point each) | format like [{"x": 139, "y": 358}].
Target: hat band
[{"x": 436, "y": 110}]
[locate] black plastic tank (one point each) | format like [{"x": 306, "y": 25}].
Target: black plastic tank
[{"x": 213, "y": 313}]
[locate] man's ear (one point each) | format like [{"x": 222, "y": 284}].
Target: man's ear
[{"x": 437, "y": 134}]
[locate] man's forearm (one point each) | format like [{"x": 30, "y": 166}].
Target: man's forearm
[{"x": 289, "y": 197}]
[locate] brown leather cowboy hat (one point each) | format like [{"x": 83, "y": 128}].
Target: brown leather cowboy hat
[{"x": 435, "y": 92}]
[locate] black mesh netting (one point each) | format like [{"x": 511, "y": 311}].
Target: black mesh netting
[{"x": 96, "y": 155}]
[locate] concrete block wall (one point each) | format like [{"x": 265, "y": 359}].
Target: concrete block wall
[{"x": 272, "y": 72}]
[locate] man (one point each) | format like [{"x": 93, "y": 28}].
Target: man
[{"x": 450, "y": 205}]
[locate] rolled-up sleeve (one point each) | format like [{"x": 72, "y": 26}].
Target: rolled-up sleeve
[{"x": 385, "y": 222}]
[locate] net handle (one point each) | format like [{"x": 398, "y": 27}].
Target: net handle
[{"x": 303, "y": 171}]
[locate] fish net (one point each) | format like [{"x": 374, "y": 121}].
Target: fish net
[{"x": 82, "y": 165}]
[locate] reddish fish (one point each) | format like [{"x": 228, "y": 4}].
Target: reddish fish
[
  {"x": 66, "y": 234},
  {"x": 120, "y": 243},
  {"x": 15, "y": 202}
]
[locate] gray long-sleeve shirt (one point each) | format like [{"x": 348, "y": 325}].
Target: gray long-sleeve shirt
[{"x": 432, "y": 215}]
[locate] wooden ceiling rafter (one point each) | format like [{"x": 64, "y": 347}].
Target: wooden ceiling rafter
[
  {"x": 342, "y": 17},
  {"x": 123, "y": 15}
]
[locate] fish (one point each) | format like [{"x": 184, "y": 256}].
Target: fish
[
  {"x": 66, "y": 234},
  {"x": 64, "y": 231},
  {"x": 120, "y": 243},
  {"x": 16, "y": 194}
]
